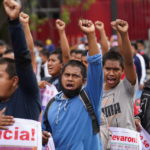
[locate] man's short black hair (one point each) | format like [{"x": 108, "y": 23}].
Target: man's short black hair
[
  {"x": 140, "y": 41},
  {"x": 76, "y": 51},
  {"x": 76, "y": 63},
  {"x": 2, "y": 43},
  {"x": 45, "y": 52},
  {"x": 73, "y": 51},
  {"x": 38, "y": 43},
  {"x": 8, "y": 51},
  {"x": 114, "y": 48},
  {"x": 134, "y": 44},
  {"x": 58, "y": 53},
  {"x": 84, "y": 53},
  {"x": 11, "y": 68},
  {"x": 114, "y": 56},
  {"x": 79, "y": 51}
]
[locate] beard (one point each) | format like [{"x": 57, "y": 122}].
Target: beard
[{"x": 70, "y": 93}]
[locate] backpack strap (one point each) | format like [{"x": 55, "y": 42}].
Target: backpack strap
[
  {"x": 89, "y": 107},
  {"x": 45, "y": 116}
]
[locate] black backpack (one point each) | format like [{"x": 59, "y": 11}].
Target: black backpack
[
  {"x": 144, "y": 115},
  {"x": 88, "y": 107}
]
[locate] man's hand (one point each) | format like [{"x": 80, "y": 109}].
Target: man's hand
[
  {"x": 45, "y": 136},
  {"x": 113, "y": 25},
  {"x": 141, "y": 86},
  {"x": 87, "y": 26},
  {"x": 5, "y": 120},
  {"x": 42, "y": 84},
  {"x": 60, "y": 25},
  {"x": 138, "y": 124},
  {"x": 24, "y": 18},
  {"x": 120, "y": 25},
  {"x": 12, "y": 9},
  {"x": 99, "y": 25}
]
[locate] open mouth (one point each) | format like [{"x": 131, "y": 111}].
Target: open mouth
[
  {"x": 69, "y": 86},
  {"x": 111, "y": 81},
  {"x": 50, "y": 68}
]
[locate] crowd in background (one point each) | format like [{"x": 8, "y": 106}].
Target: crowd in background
[{"x": 116, "y": 80}]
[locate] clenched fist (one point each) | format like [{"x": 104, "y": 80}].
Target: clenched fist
[
  {"x": 87, "y": 26},
  {"x": 12, "y": 9}
]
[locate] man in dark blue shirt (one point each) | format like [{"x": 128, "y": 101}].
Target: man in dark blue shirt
[{"x": 19, "y": 93}]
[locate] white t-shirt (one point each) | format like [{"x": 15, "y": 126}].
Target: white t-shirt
[{"x": 117, "y": 105}]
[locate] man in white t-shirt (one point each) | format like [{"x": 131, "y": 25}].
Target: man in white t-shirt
[{"x": 117, "y": 104}]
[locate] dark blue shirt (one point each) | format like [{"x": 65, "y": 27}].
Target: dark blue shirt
[{"x": 25, "y": 101}]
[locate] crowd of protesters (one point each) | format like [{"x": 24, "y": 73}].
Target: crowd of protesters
[{"x": 111, "y": 73}]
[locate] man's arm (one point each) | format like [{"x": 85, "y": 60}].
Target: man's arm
[
  {"x": 27, "y": 79},
  {"x": 94, "y": 74},
  {"x": 24, "y": 19},
  {"x": 143, "y": 72},
  {"x": 88, "y": 28},
  {"x": 103, "y": 38},
  {"x": 126, "y": 50},
  {"x": 60, "y": 25}
]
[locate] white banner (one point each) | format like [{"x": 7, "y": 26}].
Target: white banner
[
  {"x": 50, "y": 145},
  {"x": 145, "y": 139},
  {"x": 125, "y": 139},
  {"x": 47, "y": 94},
  {"x": 24, "y": 134}
]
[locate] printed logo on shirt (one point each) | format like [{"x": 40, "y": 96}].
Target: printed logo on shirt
[{"x": 110, "y": 108}]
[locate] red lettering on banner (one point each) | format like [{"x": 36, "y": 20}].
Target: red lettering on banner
[
  {"x": 1, "y": 133},
  {"x": 129, "y": 139},
  {"x": 25, "y": 135},
  {"x": 6, "y": 135},
  {"x": 117, "y": 138},
  {"x": 16, "y": 134},
  {"x": 33, "y": 133},
  {"x": 141, "y": 137},
  {"x": 124, "y": 139},
  {"x": 146, "y": 144},
  {"x": 113, "y": 137}
]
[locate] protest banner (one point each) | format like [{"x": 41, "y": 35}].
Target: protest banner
[
  {"x": 47, "y": 94},
  {"x": 125, "y": 139},
  {"x": 145, "y": 139},
  {"x": 50, "y": 145},
  {"x": 24, "y": 134}
]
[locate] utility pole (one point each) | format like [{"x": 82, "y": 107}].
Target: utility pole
[{"x": 114, "y": 11}]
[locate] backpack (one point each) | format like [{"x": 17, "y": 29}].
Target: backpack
[
  {"x": 87, "y": 105},
  {"x": 145, "y": 107}
]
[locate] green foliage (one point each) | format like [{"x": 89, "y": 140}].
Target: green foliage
[
  {"x": 36, "y": 21},
  {"x": 87, "y": 5},
  {"x": 72, "y": 2},
  {"x": 65, "y": 15}
]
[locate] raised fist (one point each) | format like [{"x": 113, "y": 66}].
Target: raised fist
[
  {"x": 86, "y": 26},
  {"x": 99, "y": 25},
  {"x": 24, "y": 18},
  {"x": 60, "y": 25},
  {"x": 120, "y": 25},
  {"x": 12, "y": 9}
]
